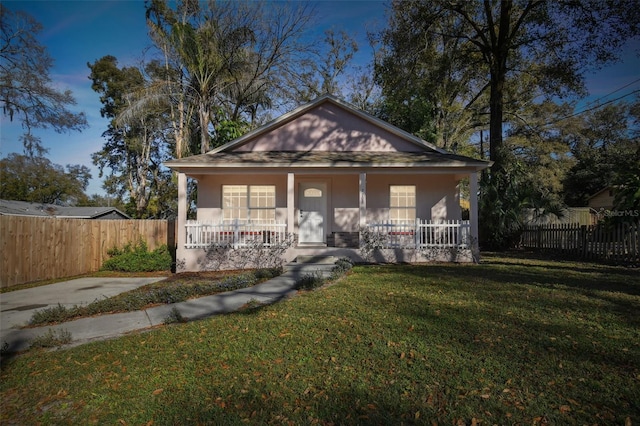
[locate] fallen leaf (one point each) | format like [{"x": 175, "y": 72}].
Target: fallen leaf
[
  {"x": 485, "y": 396},
  {"x": 565, "y": 409},
  {"x": 157, "y": 391}
]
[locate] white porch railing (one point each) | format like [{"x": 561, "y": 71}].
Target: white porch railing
[
  {"x": 423, "y": 234},
  {"x": 419, "y": 234},
  {"x": 234, "y": 233}
]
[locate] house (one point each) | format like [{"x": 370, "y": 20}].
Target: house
[
  {"x": 340, "y": 180},
  {"x": 602, "y": 200},
  {"x": 24, "y": 208}
]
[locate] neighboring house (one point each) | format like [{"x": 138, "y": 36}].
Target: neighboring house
[
  {"x": 603, "y": 199},
  {"x": 331, "y": 175},
  {"x": 570, "y": 216},
  {"x": 23, "y": 208}
]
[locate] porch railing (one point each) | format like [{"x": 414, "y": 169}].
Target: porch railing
[
  {"x": 423, "y": 234},
  {"x": 234, "y": 233},
  {"x": 419, "y": 234}
]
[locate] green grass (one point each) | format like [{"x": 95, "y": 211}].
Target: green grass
[{"x": 510, "y": 341}]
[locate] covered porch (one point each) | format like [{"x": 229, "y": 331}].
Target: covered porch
[{"x": 337, "y": 212}]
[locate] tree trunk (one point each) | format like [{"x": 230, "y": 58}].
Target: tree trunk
[
  {"x": 495, "y": 122},
  {"x": 204, "y": 129},
  {"x": 498, "y": 65}
]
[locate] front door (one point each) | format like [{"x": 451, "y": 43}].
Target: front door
[{"x": 313, "y": 207}]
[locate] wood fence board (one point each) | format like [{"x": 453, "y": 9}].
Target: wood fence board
[
  {"x": 37, "y": 248},
  {"x": 612, "y": 242}
]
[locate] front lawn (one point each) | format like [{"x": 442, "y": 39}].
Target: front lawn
[{"x": 510, "y": 341}]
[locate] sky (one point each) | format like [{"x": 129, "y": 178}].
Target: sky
[{"x": 78, "y": 32}]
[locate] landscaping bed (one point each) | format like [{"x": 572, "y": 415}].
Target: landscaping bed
[{"x": 176, "y": 288}]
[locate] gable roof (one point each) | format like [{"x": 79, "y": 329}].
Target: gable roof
[
  {"x": 232, "y": 155},
  {"x": 24, "y": 208},
  {"x": 298, "y": 112}
]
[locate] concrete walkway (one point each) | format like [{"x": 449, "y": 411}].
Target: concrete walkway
[{"x": 108, "y": 326}]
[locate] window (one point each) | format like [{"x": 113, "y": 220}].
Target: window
[
  {"x": 402, "y": 203},
  {"x": 249, "y": 202}
]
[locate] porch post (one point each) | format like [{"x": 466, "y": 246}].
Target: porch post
[
  {"x": 473, "y": 215},
  {"x": 363, "y": 202},
  {"x": 181, "y": 238},
  {"x": 290, "y": 202}
]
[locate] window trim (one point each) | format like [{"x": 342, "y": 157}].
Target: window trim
[
  {"x": 403, "y": 208},
  {"x": 244, "y": 213}
]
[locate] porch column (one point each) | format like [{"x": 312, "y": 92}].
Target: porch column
[
  {"x": 181, "y": 238},
  {"x": 473, "y": 215},
  {"x": 290, "y": 203},
  {"x": 363, "y": 200}
]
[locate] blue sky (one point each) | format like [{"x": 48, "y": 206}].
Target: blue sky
[{"x": 78, "y": 32}]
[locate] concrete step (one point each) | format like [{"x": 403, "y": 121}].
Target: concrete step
[
  {"x": 317, "y": 259},
  {"x": 309, "y": 268}
]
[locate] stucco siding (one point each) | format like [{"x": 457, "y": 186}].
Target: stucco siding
[
  {"x": 210, "y": 193},
  {"x": 328, "y": 127},
  {"x": 436, "y": 196}
]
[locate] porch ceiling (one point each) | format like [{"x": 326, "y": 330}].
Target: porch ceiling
[{"x": 327, "y": 159}]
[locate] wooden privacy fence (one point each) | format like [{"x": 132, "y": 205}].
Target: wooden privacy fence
[
  {"x": 39, "y": 248},
  {"x": 612, "y": 242}
]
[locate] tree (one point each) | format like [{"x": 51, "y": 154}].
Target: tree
[
  {"x": 604, "y": 143},
  {"x": 224, "y": 63},
  {"x": 325, "y": 67},
  {"x": 135, "y": 148},
  {"x": 26, "y": 90},
  {"x": 541, "y": 136},
  {"x": 431, "y": 82},
  {"x": 36, "y": 179},
  {"x": 554, "y": 42}
]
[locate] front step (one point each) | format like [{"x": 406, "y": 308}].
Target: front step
[
  {"x": 317, "y": 259},
  {"x": 311, "y": 265}
]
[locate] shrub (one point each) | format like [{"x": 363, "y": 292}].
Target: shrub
[
  {"x": 174, "y": 317},
  {"x": 310, "y": 281},
  {"x": 138, "y": 258},
  {"x": 342, "y": 266},
  {"x": 52, "y": 339}
]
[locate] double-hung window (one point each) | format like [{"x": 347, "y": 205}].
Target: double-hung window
[
  {"x": 249, "y": 203},
  {"x": 402, "y": 203}
]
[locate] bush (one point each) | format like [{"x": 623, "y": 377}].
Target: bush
[
  {"x": 138, "y": 258},
  {"x": 52, "y": 339},
  {"x": 310, "y": 281},
  {"x": 343, "y": 265}
]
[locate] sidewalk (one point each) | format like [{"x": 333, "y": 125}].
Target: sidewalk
[{"x": 108, "y": 326}]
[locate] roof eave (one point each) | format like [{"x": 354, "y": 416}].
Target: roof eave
[{"x": 336, "y": 165}]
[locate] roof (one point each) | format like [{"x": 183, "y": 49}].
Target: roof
[
  {"x": 225, "y": 157},
  {"x": 24, "y": 208},
  {"x": 323, "y": 159},
  {"x": 606, "y": 188}
]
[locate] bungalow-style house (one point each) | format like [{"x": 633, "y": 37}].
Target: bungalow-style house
[
  {"x": 24, "y": 208},
  {"x": 341, "y": 181}
]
